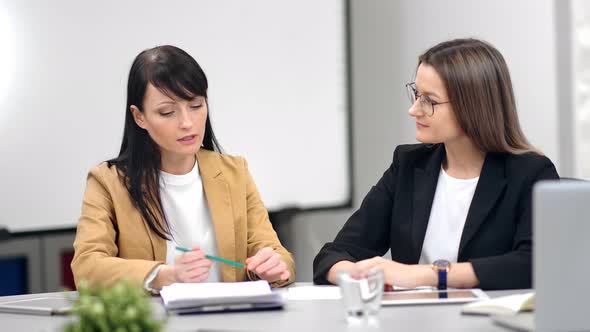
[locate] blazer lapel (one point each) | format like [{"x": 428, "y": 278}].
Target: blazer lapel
[
  {"x": 158, "y": 243},
  {"x": 425, "y": 179},
  {"x": 489, "y": 188},
  {"x": 218, "y": 198}
]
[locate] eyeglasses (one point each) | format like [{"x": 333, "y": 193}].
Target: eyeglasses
[{"x": 426, "y": 104}]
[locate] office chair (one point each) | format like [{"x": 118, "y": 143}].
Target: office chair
[{"x": 4, "y": 234}]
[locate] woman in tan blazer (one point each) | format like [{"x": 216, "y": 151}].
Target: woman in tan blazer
[{"x": 169, "y": 187}]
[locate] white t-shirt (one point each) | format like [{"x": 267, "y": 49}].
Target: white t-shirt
[
  {"x": 186, "y": 210},
  {"x": 447, "y": 218}
]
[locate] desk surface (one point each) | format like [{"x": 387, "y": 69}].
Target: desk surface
[{"x": 306, "y": 316}]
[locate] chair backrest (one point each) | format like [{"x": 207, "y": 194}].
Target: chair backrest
[{"x": 4, "y": 234}]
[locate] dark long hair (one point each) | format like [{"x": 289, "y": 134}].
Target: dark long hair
[
  {"x": 172, "y": 71},
  {"x": 480, "y": 91}
]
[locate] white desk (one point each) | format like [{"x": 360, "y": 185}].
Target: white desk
[{"x": 305, "y": 316}]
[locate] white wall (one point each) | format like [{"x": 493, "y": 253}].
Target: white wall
[
  {"x": 580, "y": 91},
  {"x": 63, "y": 73},
  {"x": 387, "y": 37}
]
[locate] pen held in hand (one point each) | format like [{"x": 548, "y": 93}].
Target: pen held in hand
[{"x": 215, "y": 258}]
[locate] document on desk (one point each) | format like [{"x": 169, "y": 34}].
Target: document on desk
[
  {"x": 220, "y": 296},
  {"x": 303, "y": 293}
]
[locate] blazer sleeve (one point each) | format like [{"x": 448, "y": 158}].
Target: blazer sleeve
[
  {"x": 366, "y": 233},
  {"x": 95, "y": 249},
  {"x": 513, "y": 270},
  {"x": 260, "y": 231}
]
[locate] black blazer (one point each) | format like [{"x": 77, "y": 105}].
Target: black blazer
[{"x": 496, "y": 238}]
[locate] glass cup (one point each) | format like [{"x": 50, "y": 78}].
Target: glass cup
[{"x": 361, "y": 297}]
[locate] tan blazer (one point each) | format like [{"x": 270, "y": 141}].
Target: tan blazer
[{"x": 113, "y": 241}]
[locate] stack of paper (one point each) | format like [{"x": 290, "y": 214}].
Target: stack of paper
[{"x": 223, "y": 296}]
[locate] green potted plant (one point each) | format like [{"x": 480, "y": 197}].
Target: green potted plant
[{"x": 123, "y": 307}]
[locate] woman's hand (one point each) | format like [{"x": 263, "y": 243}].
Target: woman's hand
[
  {"x": 189, "y": 266},
  {"x": 192, "y": 266},
  {"x": 337, "y": 268},
  {"x": 268, "y": 265},
  {"x": 396, "y": 274}
]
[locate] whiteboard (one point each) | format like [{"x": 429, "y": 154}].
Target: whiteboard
[{"x": 278, "y": 95}]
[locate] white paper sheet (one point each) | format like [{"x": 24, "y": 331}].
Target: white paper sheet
[{"x": 313, "y": 293}]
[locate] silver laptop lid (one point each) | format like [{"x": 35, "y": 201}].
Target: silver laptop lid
[
  {"x": 45, "y": 305},
  {"x": 561, "y": 228}
]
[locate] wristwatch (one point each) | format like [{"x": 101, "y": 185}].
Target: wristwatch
[{"x": 441, "y": 267}]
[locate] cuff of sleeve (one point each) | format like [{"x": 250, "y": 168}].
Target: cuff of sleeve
[
  {"x": 281, "y": 283},
  {"x": 323, "y": 266},
  {"x": 150, "y": 278},
  {"x": 252, "y": 276},
  {"x": 501, "y": 272}
]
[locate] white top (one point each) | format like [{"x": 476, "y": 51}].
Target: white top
[
  {"x": 186, "y": 210},
  {"x": 187, "y": 213},
  {"x": 447, "y": 218}
]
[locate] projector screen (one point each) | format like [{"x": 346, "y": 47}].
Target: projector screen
[{"x": 278, "y": 95}]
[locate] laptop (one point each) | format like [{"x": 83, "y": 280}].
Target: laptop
[
  {"x": 46, "y": 306},
  {"x": 561, "y": 271}
]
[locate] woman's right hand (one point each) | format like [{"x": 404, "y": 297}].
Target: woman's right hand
[
  {"x": 189, "y": 266},
  {"x": 336, "y": 268}
]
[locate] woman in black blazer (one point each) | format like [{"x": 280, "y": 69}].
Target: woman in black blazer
[{"x": 455, "y": 210}]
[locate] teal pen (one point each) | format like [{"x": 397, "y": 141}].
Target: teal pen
[{"x": 215, "y": 258}]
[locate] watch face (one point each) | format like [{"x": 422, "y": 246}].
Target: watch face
[{"x": 441, "y": 264}]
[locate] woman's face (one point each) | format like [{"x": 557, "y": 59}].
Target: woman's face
[
  {"x": 175, "y": 124},
  {"x": 442, "y": 126}
]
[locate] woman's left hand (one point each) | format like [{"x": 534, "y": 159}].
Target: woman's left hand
[
  {"x": 395, "y": 273},
  {"x": 268, "y": 265}
]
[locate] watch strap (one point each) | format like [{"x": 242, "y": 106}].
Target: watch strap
[{"x": 442, "y": 279}]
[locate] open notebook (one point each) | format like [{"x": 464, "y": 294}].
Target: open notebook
[
  {"x": 505, "y": 305},
  {"x": 220, "y": 296}
]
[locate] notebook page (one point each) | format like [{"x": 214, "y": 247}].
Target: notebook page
[{"x": 199, "y": 291}]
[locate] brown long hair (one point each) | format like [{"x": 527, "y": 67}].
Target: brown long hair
[{"x": 480, "y": 91}]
